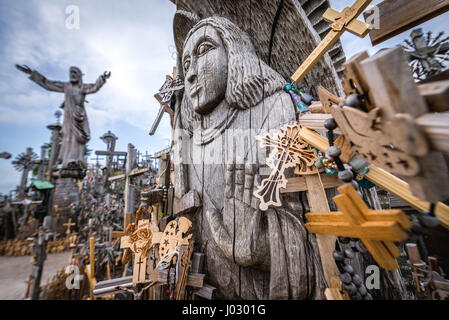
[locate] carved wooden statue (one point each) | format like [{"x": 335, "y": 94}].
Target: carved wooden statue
[{"x": 231, "y": 96}]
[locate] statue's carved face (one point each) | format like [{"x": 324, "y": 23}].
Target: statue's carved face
[
  {"x": 205, "y": 65},
  {"x": 75, "y": 75}
]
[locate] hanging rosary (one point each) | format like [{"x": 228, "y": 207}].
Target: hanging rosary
[{"x": 352, "y": 282}]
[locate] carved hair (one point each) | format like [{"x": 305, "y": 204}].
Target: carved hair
[{"x": 250, "y": 80}]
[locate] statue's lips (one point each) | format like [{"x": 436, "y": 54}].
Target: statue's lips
[{"x": 195, "y": 90}]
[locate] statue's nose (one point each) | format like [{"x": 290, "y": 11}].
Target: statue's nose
[{"x": 192, "y": 74}]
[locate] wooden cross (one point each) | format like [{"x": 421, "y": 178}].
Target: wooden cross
[
  {"x": 29, "y": 282},
  {"x": 141, "y": 240},
  {"x": 341, "y": 22},
  {"x": 131, "y": 171},
  {"x": 170, "y": 86},
  {"x": 69, "y": 224},
  {"x": 290, "y": 150},
  {"x": 377, "y": 229}
]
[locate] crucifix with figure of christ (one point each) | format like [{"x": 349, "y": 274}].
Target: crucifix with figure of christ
[{"x": 139, "y": 242}]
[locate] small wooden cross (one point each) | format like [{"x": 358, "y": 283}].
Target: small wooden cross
[
  {"x": 377, "y": 229},
  {"x": 341, "y": 22},
  {"x": 29, "y": 282},
  {"x": 141, "y": 240},
  {"x": 69, "y": 224}
]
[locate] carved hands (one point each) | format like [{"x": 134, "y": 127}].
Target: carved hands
[
  {"x": 247, "y": 245},
  {"x": 24, "y": 68},
  {"x": 106, "y": 75}
]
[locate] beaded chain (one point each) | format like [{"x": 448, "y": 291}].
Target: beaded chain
[
  {"x": 171, "y": 287},
  {"x": 421, "y": 228},
  {"x": 301, "y": 99},
  {"x": 352, "y": 282}
]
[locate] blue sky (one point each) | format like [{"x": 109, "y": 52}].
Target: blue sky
[{"x": 133, "y": 39}]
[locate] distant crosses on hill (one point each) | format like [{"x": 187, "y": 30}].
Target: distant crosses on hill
[{"x": 24, "y": 162}]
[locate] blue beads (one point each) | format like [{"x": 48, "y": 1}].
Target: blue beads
[{"x": 288, "y": 87}]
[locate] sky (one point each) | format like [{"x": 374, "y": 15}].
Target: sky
[{"x": 132, "y": 39}]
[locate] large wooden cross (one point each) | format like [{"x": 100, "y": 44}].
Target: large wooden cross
[
  {"x": 131, "y": 171},
  {"x": 377, "y": 229},
  {"x": 341, "y": 22}
]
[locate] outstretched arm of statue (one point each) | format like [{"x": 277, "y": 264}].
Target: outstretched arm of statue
[
  {"x": 56, "y": 86},
  {"x": 239, "y": 230},
  {"x": 94, "y": 87}
]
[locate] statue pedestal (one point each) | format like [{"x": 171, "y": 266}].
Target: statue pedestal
[{"x": 66, "y": 193}]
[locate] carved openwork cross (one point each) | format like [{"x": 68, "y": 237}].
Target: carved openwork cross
[
  {"x": 377, "y": 229},
  {"x": 341, "y": 22},
  {"x": 288, "y": 150}
]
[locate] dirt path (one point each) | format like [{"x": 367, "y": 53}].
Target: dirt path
[{"x": 14, "y": 271}]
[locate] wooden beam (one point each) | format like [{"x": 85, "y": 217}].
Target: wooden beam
[
  {"x": 298, "y": 184},
  {"x": 397, "y": 16},
  {"x": 436, "y": 128},
  {"x": 434, "y": 125},
  {"x": 317, "y": 199},
  {"x": 436, "y": 95}
]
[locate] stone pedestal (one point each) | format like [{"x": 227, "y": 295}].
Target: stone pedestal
[{"x": 66, "y": 192}]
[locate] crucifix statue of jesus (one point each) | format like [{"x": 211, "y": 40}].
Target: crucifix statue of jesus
[{"x": 75, "y": 129}]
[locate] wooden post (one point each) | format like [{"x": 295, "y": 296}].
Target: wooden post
[
  {"x": 129, "y": 189},
  {"x": 317, "y": 199},
  {"x": 92, "y": 266}
]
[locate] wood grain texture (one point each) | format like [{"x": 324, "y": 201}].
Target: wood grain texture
[
  {"x": 397, "y": 16},
  {"x": 436, "y": 95},
  {"x": 298, "y": 184},
  {"x": 378, "y": 235},
  {"x": 326, "y": 243},
  {"x": 250, "y": 254}
]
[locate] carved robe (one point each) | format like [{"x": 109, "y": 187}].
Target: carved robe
[{"x": 75, "y": 130}]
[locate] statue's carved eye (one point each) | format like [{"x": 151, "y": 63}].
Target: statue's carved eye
[
  {"x": 186, "y": 65},
  {"x": 204, "y": 48}
]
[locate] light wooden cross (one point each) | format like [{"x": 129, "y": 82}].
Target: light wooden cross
[
  {"x": 341, "y": 22},
  {"x": 377, "y": 229},
  {"x": 141, "y": 240},
  {"x": 290, "y": 150},
  {"x": 69, "y": 224}
]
